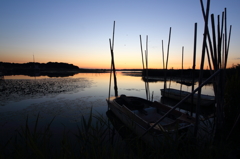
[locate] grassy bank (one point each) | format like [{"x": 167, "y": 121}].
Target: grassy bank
[{"x": 97, "y": 138}]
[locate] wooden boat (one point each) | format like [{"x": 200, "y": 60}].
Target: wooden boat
[
  {"x": 206, "y": 100},
  {"x": 139, "y": 115},
  {"x": 186, "y": 83}
]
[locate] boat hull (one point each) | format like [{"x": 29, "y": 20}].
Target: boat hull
[
  {"x": 139, "y": 123},
  {"x": 206, "y": 100}
]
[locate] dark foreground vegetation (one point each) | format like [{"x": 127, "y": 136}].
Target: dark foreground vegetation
[{"x": 98, "y": 137}]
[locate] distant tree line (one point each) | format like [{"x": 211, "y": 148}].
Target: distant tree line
[
  {"x": 51, "y": 69},
  {"x": 32, "y": 68},
  {"x": 36, "y": 65}
]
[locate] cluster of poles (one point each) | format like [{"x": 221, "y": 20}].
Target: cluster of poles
[
  {"x": 146, "y": 62},
  {"x": 145, "y": 68},
  {"x": 215, "y": 45}
]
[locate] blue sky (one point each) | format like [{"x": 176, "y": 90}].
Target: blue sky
[{"x": 78, "y": 31}]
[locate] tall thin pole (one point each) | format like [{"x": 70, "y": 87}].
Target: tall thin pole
[
  {"x": 143, "y": 67},
  {"x": 165, "y": 76},
  {"x": 225, "y": 44},
  {"x": 217, "y": 58},
  {"x": 146, "y": 58},
  {"x": 142, "y": 52},
  {"x": 202, "y": 66},
  {"x": 110, "y": 80},
  {"x": 163, "y": 55},
  {"x": 226, "y": 57},
  {"x": 209, "y": 38},
  {"x": 168, "y": 47},
  {"x": 182, "y": 71},
  {"x": 113, "y": 64},
  {"x": 194, "y": 62}
]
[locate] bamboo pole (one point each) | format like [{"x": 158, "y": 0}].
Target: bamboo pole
[
  {"x": 215, "y": 66},
  {"x": 209, "y": 38},
  {"x": 169, "y": 39},
  {"x": 228, "y": 45},
  {"x": 146, "y": 58},
  {"x": 141, "y": 51},
  {"x": 219, "y": 41},
  {"x": 147, "y": 90},
  {"x": 202, "y": 66},
  {"x": 164, "y": 86},
  {"x": 181, "y": 73},
  {"x": 163, "y": 55},
  {"x": 223, "y": 53},
  {"x": 112, "y": 46},
  {"x": 110, "y": 80},
  {"x": 166, "y": 67},
  {"x": 194, "y": 61},
  {"x": 217, "y": 58},
  {"x": 209, "y": 59},
  {"x": 143, "y": 67},
  {"x": 113, "y": 64},
  {"x": 225, "y": 43}
]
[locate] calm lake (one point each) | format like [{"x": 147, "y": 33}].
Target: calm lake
[{"x": 68, "y": 98}]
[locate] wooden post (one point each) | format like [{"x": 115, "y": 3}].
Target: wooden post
[
  {"x": 163, "y": 55},
  {"x": 201, "y": 67},
  {"x": 113, "y": 64},
  {"x": 146, "y": 58},
  {"x": 194, "y": 62},
  {"x": 142, "y": 52},
  {"x": 181, "y": 73},
  {"x": 165, "y": 76},
  {"x": 143, "y": 67}
]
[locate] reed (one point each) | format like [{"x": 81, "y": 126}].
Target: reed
[
  {"x": 231, "y": 96},
  {"x": 96, "y": 138}
]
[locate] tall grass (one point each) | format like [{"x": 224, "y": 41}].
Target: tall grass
[
  {"x": 98, "y": 137},
  {"x": 232, "y": 108}
]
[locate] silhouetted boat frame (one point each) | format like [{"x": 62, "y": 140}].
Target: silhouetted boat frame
[
  {"x": 139, "y": 115},
  {"x": 186, "y": 83},
  {"x": 206, "y": 100}
]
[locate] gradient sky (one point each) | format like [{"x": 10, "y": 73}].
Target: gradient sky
[{"x": 78, "y": 31}]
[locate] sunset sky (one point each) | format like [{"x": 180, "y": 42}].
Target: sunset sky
[{"x": 78, "y": 31}]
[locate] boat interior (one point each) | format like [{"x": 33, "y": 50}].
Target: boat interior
[{"x": 150, "y": 111}]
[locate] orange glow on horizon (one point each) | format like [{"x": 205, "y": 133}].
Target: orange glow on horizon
[{"x": 105, "y": 64}]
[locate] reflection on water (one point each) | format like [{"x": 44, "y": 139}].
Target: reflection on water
[{"x": 68, "y": 98}]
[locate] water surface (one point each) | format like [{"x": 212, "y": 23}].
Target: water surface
[{"x": 68, "y": 98}]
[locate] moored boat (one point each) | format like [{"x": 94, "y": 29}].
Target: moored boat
[
  {"x": 206, "y": 100},
  {"x": 186, "y": 83},
  {"x": 139, "y": 115}
]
